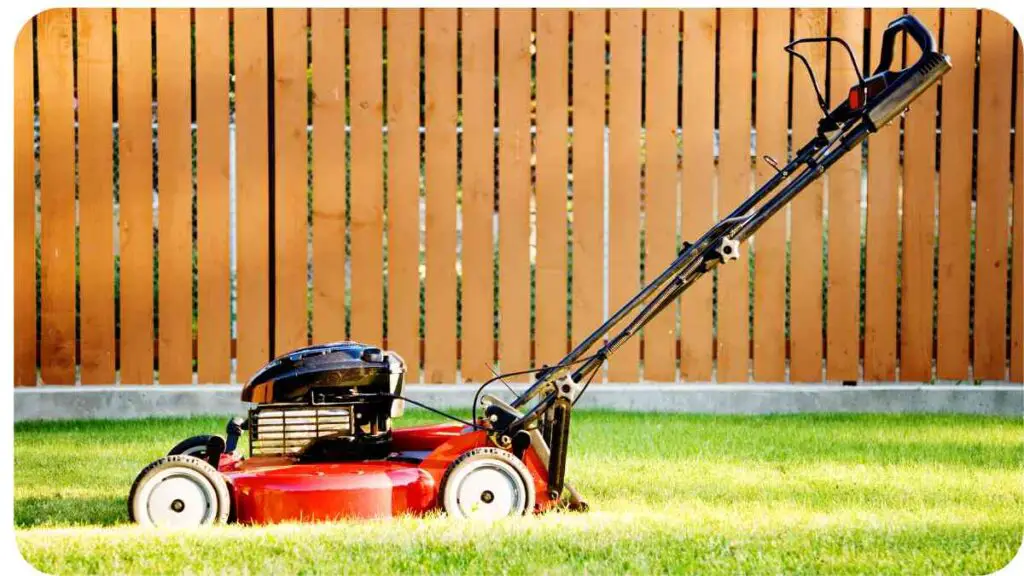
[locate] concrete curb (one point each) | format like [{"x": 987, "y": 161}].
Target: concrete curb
[{"x": 124, "y": 402}]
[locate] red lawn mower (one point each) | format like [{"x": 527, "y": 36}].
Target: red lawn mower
[{"x": 320, "y": 435}]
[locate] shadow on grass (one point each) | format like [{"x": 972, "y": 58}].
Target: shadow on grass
[{"x": 70, "y": 511}]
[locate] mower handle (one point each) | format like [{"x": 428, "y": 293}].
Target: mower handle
[{"x": 912, "y": 27}]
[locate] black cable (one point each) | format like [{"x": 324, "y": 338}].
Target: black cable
[
  {"x": 476, "y": 396},
  {"x": 436, "y": 411}
]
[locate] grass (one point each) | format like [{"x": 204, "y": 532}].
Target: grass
[{"x": 669, "y": 493}]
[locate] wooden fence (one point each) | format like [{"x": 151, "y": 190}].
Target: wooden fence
[{"x": 197, "y": 191}]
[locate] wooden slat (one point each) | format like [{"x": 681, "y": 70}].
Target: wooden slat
[
  {"x": 328, "y": 174},
  {"x": 57, "y": 197},
  {"x": 918, "y": 226},
  {"x": 734, "y": 179},
  {"x": 24, "y": 213},
  {"x": 135, "y": 166},
  {"x": 290, "y": 179},
  {"x": 552, "y": 180},
  {"x": 251, "y": 195},
  {"x": 662, "y": 187},
  {"x": 213, "y": 195},
  {"x": 698, "y": 113},
  {"x": 404, "y": 187},
  {"x": 514, "y": 189},
  {"x": 882, "y": 231},
  {"x": 624, "y": 177},
  {"x": 844, "y": 181},
  {"x": 772, "y": 102},
  {"x": 588, "y": 96},
  {"x": 477, "y": 193},
  {"x": 174, "y": 177},
  {"x": 806, "y": 215},
  {"x": 367, "y": 200},
  {"x": 955, "y": 191},
  {"x": 1017, "y": 295},
  {"x": 96, "y": 195},
  {"x": 993, "y": 193},
  {"x": 441, "y": 90}
]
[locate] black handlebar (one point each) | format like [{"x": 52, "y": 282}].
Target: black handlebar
[{"x": 910, "y": 26}]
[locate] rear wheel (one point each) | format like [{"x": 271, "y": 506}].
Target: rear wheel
[
  {"x": 487, "y": 484},
  {"x": 194, "y": 446},
  {"x": 179, "y": 492}
]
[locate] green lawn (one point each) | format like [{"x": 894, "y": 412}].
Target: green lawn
[{"x": 669, "y": 493}]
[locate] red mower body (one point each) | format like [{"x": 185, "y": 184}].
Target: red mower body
[{"x": 268, "y": 490}]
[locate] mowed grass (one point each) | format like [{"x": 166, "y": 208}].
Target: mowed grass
[{"x": 669, "y": 493}]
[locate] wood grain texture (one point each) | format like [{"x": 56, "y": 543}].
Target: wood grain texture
[
  {"x": 734, "y": 180},
  {"x": 919, "y": 186},
  {"x": 329, "y": 140},
  {"x": 174, "y": 177},
  {"x": 135, "y": 154},
  {"x": 25, "y": 212},
  {"x": 514, "y": 150},
  {"x": 883, "y": 227},
  {"x": 441, "y": 91},
  {"x": 625, "y": 107},
  {"x": 662, "y": 185},
  {"x": 698, "y": 113},
  {"x": 252, "y": 200},
  {"x": 552, "y": 153},
  {"x": 290, "y": 249},
  {"x": 955, "y": 192},
  {"x": 806, "y": 215},
  {"x": 477, "y": 194},
  {"x": 844, "y": 185},
  {"x": 366, "y": 220},
  {"x": 993, "y": 194},
  {"x": 96, "y": 195},
  {"x": 1017, "y": 291},
  {"x": 213, "y": 198},
  {"x": 772, "y": 108},
  {"x": 588, "y": 98}
]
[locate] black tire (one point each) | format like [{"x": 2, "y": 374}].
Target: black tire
[
  {"x": 215, "y": 507},
  {"x": 194, "y": 446},
  {"x": 499, "y": 459}
]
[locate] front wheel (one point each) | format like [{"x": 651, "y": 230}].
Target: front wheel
[
  {"x": 179, "y": 492},
  {"x": 194, "y": 446},
  {"x": 487, "y": 484}
]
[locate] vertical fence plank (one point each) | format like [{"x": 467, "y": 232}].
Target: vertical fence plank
[
  {"x": 514, "y": 189},
  {"x": 624, "y": 177},
  {"x": 441, "y": 90},
  {"x": 698, "y": 111},
  {"x": 25, "y": 213},
  {"x": 661, "y": 110},
  {"x": 882, "y": 230},
  {"x": 251, "y": 195},
  {"x": 290, "y": 179},
  {"x": 328, "y": 45},
  {"x": 844, "y": 180},
  {"x": 174, "y": 178},
  {"x": 806, "y": 215},
  {"x": 57, "y": 196},
  {"x": 404, "y": 187},
  {"x": 772, "y": 109},
  {"x": 213, "y": 195},
  {"x": 552, "y": 179},
  {"x": 96, "y": 195},
  {"x": 993, "y": 194},
  {"x": 367, "y": 199},
  {"x": 588, "y": 97},
  {"x": 477, "y": 194},
  {"x": 734, "y": 180},
  {"x": 135, "y": 193},
  {"x": 955, "y": 191},
  {"x": 1017, "y": 296},
  {"x": 918, "y": 226}
]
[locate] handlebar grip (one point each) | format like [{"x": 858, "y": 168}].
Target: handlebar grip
[
  {"x": 907, "y": 87},
  {"x": 912, "y": 27}
]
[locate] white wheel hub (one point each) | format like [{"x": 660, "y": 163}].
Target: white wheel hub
[
  {"x": 177, "y": 497},
  {"x": 488, "y": 490}
]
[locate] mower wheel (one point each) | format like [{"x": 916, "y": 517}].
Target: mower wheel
[
  {"x": 194, "y": 446},
  {"x": 179, "y": 492},
  {"x": 487, "y": 484}
]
